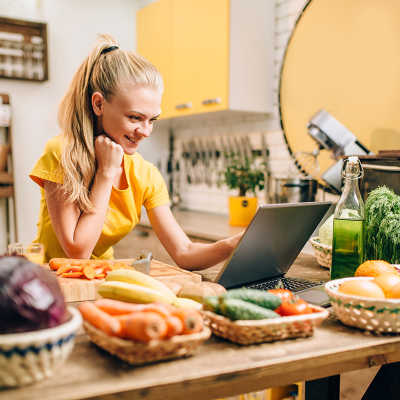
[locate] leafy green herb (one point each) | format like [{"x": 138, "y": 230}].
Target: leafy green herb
[
  {"x": 243, "y": 174},
  {"x": 382, "y": 220}
]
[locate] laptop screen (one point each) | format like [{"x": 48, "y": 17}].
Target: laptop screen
[{"x": 271, "y": 242}]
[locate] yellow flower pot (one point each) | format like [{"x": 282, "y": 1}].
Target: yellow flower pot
[{"x": 242, "y": 210}]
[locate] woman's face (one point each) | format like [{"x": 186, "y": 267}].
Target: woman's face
[{"x": 128, "y": 116}]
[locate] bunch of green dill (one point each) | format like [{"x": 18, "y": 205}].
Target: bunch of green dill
[{"x": 382, "y": 221}]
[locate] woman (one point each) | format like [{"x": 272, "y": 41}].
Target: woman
[{"x": 93, "y": 182}]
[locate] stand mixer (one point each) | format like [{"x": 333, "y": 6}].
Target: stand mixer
[{"x": 330, "y": 135}]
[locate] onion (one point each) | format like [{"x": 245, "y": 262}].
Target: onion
[{"x": 30, "y": 296}]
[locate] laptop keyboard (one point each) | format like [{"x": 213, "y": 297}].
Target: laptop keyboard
[{"x": 292, "y": 284}]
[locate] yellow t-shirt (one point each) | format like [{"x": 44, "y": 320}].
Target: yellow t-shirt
[{"x": 146, "y": 187}]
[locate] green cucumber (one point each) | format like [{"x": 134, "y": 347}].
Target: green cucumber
[
  {"x": 211, "y": 303},
  {"x": 236, "y": 309},
  {"x": 259, "y": 297}
]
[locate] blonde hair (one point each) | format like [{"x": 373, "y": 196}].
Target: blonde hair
[{"x": 102, "y": 71}]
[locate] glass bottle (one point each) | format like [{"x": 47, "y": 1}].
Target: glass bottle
[{"x": 348, "y": 223}]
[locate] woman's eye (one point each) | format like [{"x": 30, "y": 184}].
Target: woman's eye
[{"x": 134, "y": 117}]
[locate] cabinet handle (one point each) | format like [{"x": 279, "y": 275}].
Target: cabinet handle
[
  {"x": 183, "y": 106},
  {"x": 217, "y": 100}
]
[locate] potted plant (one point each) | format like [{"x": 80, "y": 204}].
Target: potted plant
[{"x": 246, "y": 175}]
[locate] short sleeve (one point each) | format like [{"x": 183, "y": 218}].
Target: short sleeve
[
  {"x": 48, "y": 166},
  {"x": 156, "y": 193}
]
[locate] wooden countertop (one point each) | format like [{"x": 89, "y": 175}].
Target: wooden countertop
[{"x": 219, "y": 369}]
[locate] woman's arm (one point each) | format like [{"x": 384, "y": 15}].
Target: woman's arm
[
  {"x": 78, "y": 232},
  {"x": 188, "y": 254}
]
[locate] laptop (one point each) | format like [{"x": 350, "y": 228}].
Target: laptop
[{"x": 270, "y": 244}]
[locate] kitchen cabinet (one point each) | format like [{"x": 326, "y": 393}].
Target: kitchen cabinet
[{"x": 213, "y": 55}]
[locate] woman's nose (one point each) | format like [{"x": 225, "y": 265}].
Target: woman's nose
[{"x": 145, "y": 129}]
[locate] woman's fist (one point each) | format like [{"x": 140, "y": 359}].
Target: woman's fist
[{"x": 109, "y": 155}]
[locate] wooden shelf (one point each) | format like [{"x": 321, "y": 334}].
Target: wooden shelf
[
  {"x": 6, "y": 177},
  {"x": 6, "y": 191},
  {"x": 23, "y": 50}
]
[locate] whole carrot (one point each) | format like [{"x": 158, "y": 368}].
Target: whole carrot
[
  {"x": 191, "y": 319},
  {"x": 100, "y": 319},
  {"x": 117, "y": 307},
  {"x": 143, "y": 326},
  {"x": 174, "y": 326}
]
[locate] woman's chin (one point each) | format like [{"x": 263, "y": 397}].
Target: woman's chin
[{"x": 129, "y": 151}]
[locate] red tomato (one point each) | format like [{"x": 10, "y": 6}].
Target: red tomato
[
  {"x": 283, "y": 294},
  {"x": 295, "y": 306}
]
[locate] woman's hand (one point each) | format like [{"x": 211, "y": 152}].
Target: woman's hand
[{"x": 109, "y": 156}]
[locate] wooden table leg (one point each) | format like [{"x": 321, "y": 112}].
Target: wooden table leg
[
  {"x": 386, "y": 384},
  {"x": 324, "y": 388}
]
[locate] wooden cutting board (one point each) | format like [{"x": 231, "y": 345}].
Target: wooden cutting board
[{"x": 76, "y": 289}]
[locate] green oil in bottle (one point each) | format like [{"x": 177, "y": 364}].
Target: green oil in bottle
[{"x": 348, "y": 247}]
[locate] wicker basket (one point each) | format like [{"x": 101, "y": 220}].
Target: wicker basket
[
  {"x": 265, "y": 330},
  {"x": 381, "y": 316},
  {"x": 137, "y": 353},
  {"x": 323, "y": 252},
  {"x": 28, "y": 357}
]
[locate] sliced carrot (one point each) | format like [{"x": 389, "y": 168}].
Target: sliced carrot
[
  {"x": 105, "y": 268},
  {"x": 56, "y": 263},
  {"x": 191, "y": 319},
  {"x": 63, "y": 269},
  {"x": 75, "y": 268},
  {"x": 100, "y": 319},
  {"x": 72, "y": 275},
  {"x": 143, "y": 326},
  {"x": 88, "y": 272},
  {"x": 100, "y": 276}
]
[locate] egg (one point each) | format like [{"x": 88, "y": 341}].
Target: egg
[
  {"x": 362, "y": 287},
  {"x": 386, "y": 281}
]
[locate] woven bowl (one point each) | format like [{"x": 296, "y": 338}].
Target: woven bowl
[
  {"x": 265, "y": 330},
  {"x": 137, "y": 353},
  {"x": 28, "y": 357},
  {"x": 363, "y": 312},
  {"x": 323, "y": 252}
]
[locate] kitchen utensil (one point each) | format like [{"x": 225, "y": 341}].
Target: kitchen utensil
[
  {"x": 187, "y": 162},
  {"x": 308, "y": 161},
  {"x": 267, "y": 175},
  {"x": 294, "y": 190}
]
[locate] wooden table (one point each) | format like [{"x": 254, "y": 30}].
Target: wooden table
[{"x": 220, "y": 368}]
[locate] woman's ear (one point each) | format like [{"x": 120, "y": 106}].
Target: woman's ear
[{"x": 97, "y": 103}]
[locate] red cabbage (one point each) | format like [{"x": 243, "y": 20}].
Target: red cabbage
[{"x": 30, "y": 296}]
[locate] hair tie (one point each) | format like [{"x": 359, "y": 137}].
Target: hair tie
[{"x": 108, "y": 49}]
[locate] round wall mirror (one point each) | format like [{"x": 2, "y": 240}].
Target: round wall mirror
[{"x": 343, "y": 57}]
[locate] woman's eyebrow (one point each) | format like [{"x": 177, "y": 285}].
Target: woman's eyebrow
[{"x": 143, "y": 115}]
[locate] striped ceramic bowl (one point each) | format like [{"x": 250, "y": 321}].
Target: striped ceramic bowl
[{"x": 28, "y": 357}]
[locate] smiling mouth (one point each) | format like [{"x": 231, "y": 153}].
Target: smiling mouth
[{"x": 131, "y": 140}]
